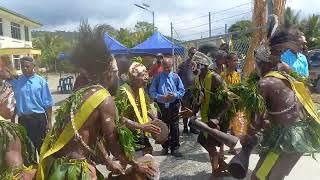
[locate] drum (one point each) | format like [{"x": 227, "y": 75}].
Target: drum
[
  {"x": 163, "y": 136},
  {"x": 131, "y": 174}
]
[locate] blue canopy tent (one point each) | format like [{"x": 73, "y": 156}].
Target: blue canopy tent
[
  {"x": 156, "y": 43},
  {"x": 115, "y": 46}
]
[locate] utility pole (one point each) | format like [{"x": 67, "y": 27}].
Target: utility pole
[
  {"x": 209, "y": 24},
  {"x": 226, "y": 33},
  {"x": 146, "y": 8},
  {"x": 153, "y": 20},
  {"x": 172, "y": 46}
]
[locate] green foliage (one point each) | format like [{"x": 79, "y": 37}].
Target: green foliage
[
  {"x": 52, "y": 43},
  {"x": 126, "y": 140},
  {"x": 137, "y": 59},
  {"x": 311, "y": 29},
  {"x": 291, "y": 18},
  {"x": 240, "y": 26},
  {"x": 310, "y": 26},
  {"x": 250, "y": 101},
  {"x": 142, "y": 31},
  {"x": 10, "y": 130}
]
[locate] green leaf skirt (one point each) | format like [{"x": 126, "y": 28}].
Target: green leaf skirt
[
  {"x": 300, "y": 137},
  {"x": 8, "y": 132},
  {"x": 64, "y": 168}
]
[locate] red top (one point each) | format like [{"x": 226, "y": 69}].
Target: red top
[{"x": 155, "y": 70}]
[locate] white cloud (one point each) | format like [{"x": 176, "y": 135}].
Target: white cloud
[{"x": 66, "y": 14}]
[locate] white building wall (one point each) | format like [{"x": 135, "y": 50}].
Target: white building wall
[{"x": 7, "y": 42}]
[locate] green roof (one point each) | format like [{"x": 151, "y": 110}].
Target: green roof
[{"x": 19, "y": 15}]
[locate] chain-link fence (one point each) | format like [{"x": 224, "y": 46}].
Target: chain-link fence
[
  {"x": 213, "y": 28},
  {"x": 239, "y": 45}
]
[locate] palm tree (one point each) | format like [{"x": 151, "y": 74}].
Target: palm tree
[
  {"x": 291, "y": 18},
  {"x": 50, "y": 46},
  {"x": 311, "y": 30}
]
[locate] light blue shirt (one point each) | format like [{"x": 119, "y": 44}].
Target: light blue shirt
[
  {"x": 32, "y": 94},
  {"x": 164, "y": 83},
  {"x": 297, "y": 62}
]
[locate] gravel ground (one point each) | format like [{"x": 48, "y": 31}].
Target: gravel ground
[{"x": 195, "y": 163}]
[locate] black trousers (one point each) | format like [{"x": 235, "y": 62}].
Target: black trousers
[
  {"x": 170, "y": 117},
  {"x": 35, "y": 124},
  {"x": 187, "y": 100}
]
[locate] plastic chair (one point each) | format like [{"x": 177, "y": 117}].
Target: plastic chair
[{"x": 60, "y": 86}]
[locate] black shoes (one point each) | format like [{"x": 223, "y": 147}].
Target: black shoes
[
  {"x": 164, "y": 151},
  {"x": 194, "y": 131},
  {"x": 185, "y": 131},
  {"x": 176, "y": 153}
]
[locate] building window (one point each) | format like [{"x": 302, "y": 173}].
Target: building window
[
  {"x": 1, "y": 29},
  {"x": 26, "y": 33},
  {"x": 15, "y": 30},
  {"x": 16, "y": 60}
]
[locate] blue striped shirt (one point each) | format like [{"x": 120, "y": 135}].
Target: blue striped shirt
[{"x": 164, "y": 83}]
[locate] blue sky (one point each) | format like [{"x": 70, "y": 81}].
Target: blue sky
[{"x": 185, "y": 14}]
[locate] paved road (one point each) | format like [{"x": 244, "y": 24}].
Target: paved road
[{"x": 195, "y": 163}]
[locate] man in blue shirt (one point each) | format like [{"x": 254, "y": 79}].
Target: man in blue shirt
[
  {"x": 33, "y": 101},
  {"x": 293, "y": 56},
  {"x": 296, "y": 61},
  {"x": 167, "y": 90}
]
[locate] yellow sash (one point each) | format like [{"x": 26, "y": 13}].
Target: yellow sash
[
  {"x": 1, "y": 118},
  {"x": 231, "y": 78},
  {"x": 67, "y": 134},
  {"x": 144, "y": 118},
  {"x": 267, "y": 165},
  {"x": 301, "y": 93},
  {"x": 204, "y": 109}
]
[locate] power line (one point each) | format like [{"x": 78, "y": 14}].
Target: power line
[
  {"x": 177, "y": 33},
  {"x": 215, "y": 12},
  {"x": 197, "y": 33},
  {"x": 199, "y": 17},
  {"x": 188, "y": 35},
  {"x": 192, "y": 27},
  {"x": 232, "y": 16},
  {"x": 217, "y": 29},
  {"x": 227, "y": 12}
]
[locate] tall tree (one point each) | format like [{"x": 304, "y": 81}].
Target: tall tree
[
  {"x": 143, "y": 30},
  {"x": 311, "y": 29},
  {"x": 50, "y": 46},
  {"x": 241, "y": 27},
  {"x": 291, "y": 18},
  {"x": 124, "y": 37}
]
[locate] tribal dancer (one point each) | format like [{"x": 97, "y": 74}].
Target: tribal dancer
[
  {"x": 133, "y": 103},
  {"x": 16, "y": 152},
  {"x": 232, "y": 77},
  {"x": 292, "y": 127},
  {"x": 7, "y": 100},
  {"x": 207, "y": 84},
  {"x": 85, "y": 128}
]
